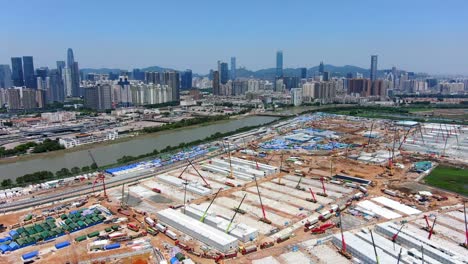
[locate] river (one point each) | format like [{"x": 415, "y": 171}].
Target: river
[{"x": 109, "y": 153}]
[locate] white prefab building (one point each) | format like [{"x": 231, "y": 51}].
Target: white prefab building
[
  {"x": 241, "y": 231},
  {"x": 198, "y": 230}
]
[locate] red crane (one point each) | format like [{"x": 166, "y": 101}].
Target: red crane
[
  {"x": 395, "y": 236},
  {"x": 465, "y": 245},
  {"x": 323, "y": 188},
  {"x": 428, "y": 226},
  {"x": 264, "y": 219},
  {"x": 343, "y": 243},
  {"x": 314, "y": 200},
  {"x": 100, "y": 177}
]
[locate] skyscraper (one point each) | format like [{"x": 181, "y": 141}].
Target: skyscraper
[
  {"x": 28, "y": 72},
  {"x": 279, "y": 64},
  {"x": 14, "y": 98},
  {"x": 373, "y": 70},
  {"x": 321, "y": 68},
  {"x": 303, "y": 73},
  {"x": 74, "y": 73},
  {"x": 56, "y": 86},
  {"x": 76, "y": 80},
  {"x": 17, "y": 71},
  {"x": 172, "y": 79},
  {"x": 67, "y": 81},
  {"x": 186, "y": 80},
  {"x": 215, "y": 82},
  {"x": 98, "y": 97},
  {"x": 233, "y": 68},
  {"x": 224, "y": 73},
  {"x": 5, "y": 76}
]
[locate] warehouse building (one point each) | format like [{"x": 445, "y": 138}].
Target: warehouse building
[{"x": 198, "y": 230}]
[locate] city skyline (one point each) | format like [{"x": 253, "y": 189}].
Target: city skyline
[{"x": 411, "y": 36}]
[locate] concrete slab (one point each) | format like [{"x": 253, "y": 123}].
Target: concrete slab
[
  {"x": 315, "y": 185},
  {"x": 252, "y": 210},
  {"x": 326, "y": 254},
  {"x": 267, "y": 202},
  {"x": 289, "y": 189},
  {"x": 278, "y": 196},
  {"x": 267, "y": 260},
  {"x": 295, "y": 257},
  {"x": 293, "y": 184}
]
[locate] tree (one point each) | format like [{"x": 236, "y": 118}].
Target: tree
[
  {"x": 75, "y": 170},
  {"x": 7, "y": 182},
  {"x": 94, "y": 166},
  {"x": 85, "y": 169},
  {"x": 64, "y": 172}
]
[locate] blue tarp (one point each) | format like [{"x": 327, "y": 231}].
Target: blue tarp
[
  {"x": 4, "y": 248},
  {"x": 174, "y": 260},
  {"x": 62, "y": 244},
  {"x": 5, "y": 239},
  {"x": 31, "y": 254}
]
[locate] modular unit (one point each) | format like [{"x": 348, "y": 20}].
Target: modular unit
[
  {"x": 171, "y": 180},
  {"x": 410, "y": 240},
  {"x": 200, "y": 231},
  {"x": 241, "y": 231}
]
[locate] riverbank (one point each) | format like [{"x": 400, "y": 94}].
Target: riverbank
[
  {"x": 43, "y": 176},
  {"x": 106, "y": 154},
  {"x": 134, "y": 135}
]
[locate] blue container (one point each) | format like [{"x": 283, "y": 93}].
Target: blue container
[
  {"x": 62, "y": 244},
  {"x": 112, "y": 246},
  {"x": 31, "y": 254},
  {"x": 4, "y": 248},
  {"x": 13, "y": 246},
  {"x": 13, "y": 233},
  {"x": 5, "y": 239},
  {"x": 174, "y": 260}
]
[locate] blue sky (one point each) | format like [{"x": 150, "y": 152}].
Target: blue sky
[{"x": 419, "y": 35}]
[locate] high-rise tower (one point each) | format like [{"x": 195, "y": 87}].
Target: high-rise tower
[
  {"x": 373, "y": 70},
  {"x": 17, "y": 71},
  {"x": 279, "y": 64},
  {"x": 233, "y": 68}
]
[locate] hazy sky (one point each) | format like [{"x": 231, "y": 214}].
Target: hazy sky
[{"x": 418, "y": 35}]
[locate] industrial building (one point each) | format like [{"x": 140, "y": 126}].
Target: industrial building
[{"x": 198, "y": 230}]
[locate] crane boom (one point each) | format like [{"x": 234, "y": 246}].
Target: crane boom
[
  {"x": 432, "y": 229},
  {"x": 375, "y": 249},
  {"x": 235, "y": 213},
  {"x": 206, "y": 211},
  {"x": 264, "y": 219},
  {"x": 206, "y": 183}
]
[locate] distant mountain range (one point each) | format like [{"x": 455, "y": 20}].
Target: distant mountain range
[{"x": 337, "y": 71}]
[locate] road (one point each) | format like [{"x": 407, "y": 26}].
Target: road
[{"x": 110, "y": 183}]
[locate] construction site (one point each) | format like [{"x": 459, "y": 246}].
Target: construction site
[{"x": 317, "y": 188}]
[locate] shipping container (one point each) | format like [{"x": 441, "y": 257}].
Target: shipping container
[
  {"x": 283, "y": 238},
  {"x": 248, "y": 249},
  {"x": 112, "y": 246},
  {"x": 62, "y": 244},
  {"x": 150, "y": 221},
  {"x": 93, "y": 234},
  {"x": 31, "y": 254},
  {"x": 162, "y": 228},
  {"x": 171, "y": 234}
]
